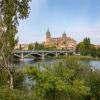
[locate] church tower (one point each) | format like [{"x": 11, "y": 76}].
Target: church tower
[
  {"x": 64, "y": 36},
  {"x": 48, "y": 36}
]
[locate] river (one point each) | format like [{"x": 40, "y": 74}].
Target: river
[{"x": 28, "y": 61}]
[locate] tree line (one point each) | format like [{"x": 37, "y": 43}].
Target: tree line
[
  {"x": 40, "y": 46},
  {"x": 85, "y": 48}
]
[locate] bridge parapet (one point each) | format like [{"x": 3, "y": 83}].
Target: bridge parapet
[{"x": 41, "y": 54}]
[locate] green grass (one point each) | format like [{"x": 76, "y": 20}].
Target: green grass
[{"x": 85, "y": 58}]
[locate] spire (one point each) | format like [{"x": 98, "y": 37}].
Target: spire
[
  {"x": 48, "y": 35},
  {"x": 48, "y": 31}
]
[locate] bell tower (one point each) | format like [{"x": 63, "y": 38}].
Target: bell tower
[
  {"x": 64, "y": 36},
  {"x": 48, "y": 36}
]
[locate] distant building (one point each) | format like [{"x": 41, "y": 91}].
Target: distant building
[
  {"x": 21, "y": 47},
  {"x": 63, "y": 42},
  {"x": 97, "y": 46},
  {"x": 17, "y": 47}
]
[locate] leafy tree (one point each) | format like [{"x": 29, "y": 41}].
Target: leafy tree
[
  {"x": 94, "y": 84},
  {"x": 93, "y": 51},
  {"x": 36, "y": 47},
  {"x": 81, "y": 48},
  {"x": 30, "y": 47},
  {"x": 39, "y": 46},
  {"x": 98, "y": 52},
  {"x": 86, "y": 48},
  {"x": 10, "y": 13},
  {"x": 87, "y": 45},
  {"x": 57, "y": 82},
  {"x": 14, "y": 94},
  {"x": 1, "y": 31},
  {"x": 3, "y": 77}
]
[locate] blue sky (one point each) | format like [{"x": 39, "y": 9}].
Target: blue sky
[{"x": 78, "y": 18}]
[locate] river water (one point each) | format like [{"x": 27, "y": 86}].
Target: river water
[{"x": 31, "y": 62}]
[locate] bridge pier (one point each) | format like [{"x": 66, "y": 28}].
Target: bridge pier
[
  {"x": 74, "y": 53},
  {"x": 22, "y": 57},
  {"x": 43, "y": 56},
  {"x": 66, "y": 54},
  {"x": 56, "y": 54}
]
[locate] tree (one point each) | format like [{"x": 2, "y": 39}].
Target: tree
[
  {"x": 94, "y": 83},
  {"x": 30, "y": 47},
  {"x": 81, "y": 48},
  {"x": 58, "y": 82},
  {"x": 39, "y": 46},
  {"x": 10, "y": 13},
  {"x": 84, "y": 47},
  {"x": 93, "y": 51},
  {"x": 14, "y": 94},
  {"x": 98, "y": 52}
]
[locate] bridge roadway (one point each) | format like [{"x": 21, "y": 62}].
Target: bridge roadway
[{"x": 41, "y": 54}]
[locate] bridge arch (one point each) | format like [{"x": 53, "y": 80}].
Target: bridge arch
[
  {"x": 17, "y": 55},
  {"x": 50, "y": 54},
  {"x": 40, "y": 54},
  {"x": 62, "y": 53},
  {"x": 33, "y": 54}
]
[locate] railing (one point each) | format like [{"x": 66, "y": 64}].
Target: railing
[{"x": 18, "y": 51}]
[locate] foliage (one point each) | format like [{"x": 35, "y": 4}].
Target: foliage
[
  {"x": 86, "y": 48},
  {"x": 9, "y": 94},
  {"x": 93, "y": 51},
  {"x": 18, "y": 76},
  {"x": 51, "y": 48},
  {"x": 98, "y": 52},
  {"x": 30, "y": 47},
  {"x": 58, "y": 82},
  {"x": 10, "y": 13},
  {"x": 3, "y": 77},
  {"x": 94, "y": 83},
  {"x": 39, "y": 46},
  {"x": 65, "y": 80},
  {"x": 80, "y": 57}
]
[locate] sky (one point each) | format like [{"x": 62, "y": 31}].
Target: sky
[{"x": 78, "y": 18}]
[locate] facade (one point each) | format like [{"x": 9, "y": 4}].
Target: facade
[
  {"x": 21, "y": 47},
  {"x": 63, "y": 42},
  {"x": 97, "y": 46}
]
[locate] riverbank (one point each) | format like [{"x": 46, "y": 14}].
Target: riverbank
[
  {"x": 77, "y": 57},
  {"x": 84, "y": 57}
]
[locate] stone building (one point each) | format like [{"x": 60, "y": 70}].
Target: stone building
[
  {"x": 97, "y": 46},
  {"x": 21, "y": 47},
  {"x": 63, "y": 42}
]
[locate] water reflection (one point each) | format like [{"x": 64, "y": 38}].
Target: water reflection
[{"x": 29, "y": 61}]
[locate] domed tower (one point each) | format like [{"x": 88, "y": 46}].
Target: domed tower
[
  {"x": 48, "y": 36},
  {"x": 64, "y": 36}
]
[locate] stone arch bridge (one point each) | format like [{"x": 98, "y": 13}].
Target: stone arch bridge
[{"x": 40, "y": 54}]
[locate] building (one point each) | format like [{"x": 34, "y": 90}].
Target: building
[
  {"x": 63, "y": 42},
  {"x": 21, "y": 47},
  {"x": 97, "y": 46}
]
